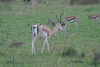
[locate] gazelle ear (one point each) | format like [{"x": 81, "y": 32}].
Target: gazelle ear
[
  {"x": 63, "y": 13},
  {"x": 50, "y": 20}
]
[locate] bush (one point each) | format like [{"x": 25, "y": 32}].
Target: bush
[
  {"x": 69, "y": 52},
  {"x": 96, "y": 57}
]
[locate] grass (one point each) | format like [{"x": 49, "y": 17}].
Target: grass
[{"x": 16, "y": 22}]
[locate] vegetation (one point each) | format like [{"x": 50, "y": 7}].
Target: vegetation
[{"x": 76, "y": 49}]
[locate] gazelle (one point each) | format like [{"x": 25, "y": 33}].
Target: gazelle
[
  {"x": 63, "y": 24},
  {"x": 70, "y": 19},
  {"x": 94, "y": 16},
  {"x": 43, "y": 31}
]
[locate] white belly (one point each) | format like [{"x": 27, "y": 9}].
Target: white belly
[
  {"x": 70, "y": 21},
  {"x": 43, "y": 35},
  {"x": 96, "y": 18}
]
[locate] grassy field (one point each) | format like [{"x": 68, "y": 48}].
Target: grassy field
[{"x": 73, "y": 50}]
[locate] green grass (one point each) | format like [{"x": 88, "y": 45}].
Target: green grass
[{"x": 16, "y": 22}]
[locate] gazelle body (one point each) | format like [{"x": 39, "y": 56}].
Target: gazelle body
[
  {"x": 63, "y": 24},
  {"x": 94, "y": 16},
  {"x": 45, "y": 32},
  {"x": 70, "y": 19}
]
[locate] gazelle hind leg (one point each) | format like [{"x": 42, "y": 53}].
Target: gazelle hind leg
[{"x": 33, "y": 49}]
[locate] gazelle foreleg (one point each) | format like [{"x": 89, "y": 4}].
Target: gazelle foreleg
[
  {"x": 76, "y": 25},
  {"x": 98, "y": 21},
  {"x": 43, "y": 45},
  {"x": 92, "y": 22},
  {"x": 68, "y": 24},
  {"x": 56, "y": 33},
  {"x": 47, "y": 45},
  {"x": 64, "y": 30}
]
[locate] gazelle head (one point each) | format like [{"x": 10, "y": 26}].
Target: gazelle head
[
  {"x": 59, "y": 26},
  {"x": 63, "y": 14},
  {"x": 49, "y": 22}
]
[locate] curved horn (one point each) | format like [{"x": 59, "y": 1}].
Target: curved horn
[
  {"x": 57, "y": 18},
  {"x": 60, "y": 18}
]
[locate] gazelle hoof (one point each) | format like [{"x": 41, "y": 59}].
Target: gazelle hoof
[
  {"x": 35, "y": 53},
  {"x": 31, "y": 52},
  {"x": 48, "y": 51},
  {"x": 41, "y": 52}
]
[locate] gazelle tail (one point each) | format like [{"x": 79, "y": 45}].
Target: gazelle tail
[{"x": 34, "y": 31}]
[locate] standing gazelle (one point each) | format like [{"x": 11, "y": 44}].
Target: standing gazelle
[
  {"x": 70, "y": 19},
  {"x": 94, "y": 16},
  {"x": 43, "y": 31}
]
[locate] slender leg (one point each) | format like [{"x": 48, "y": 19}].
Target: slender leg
[
  {"x": 64, "y": 30},
  {"x": 76, "y": 25},
  {"x": 36, "y": 5},
  {"x": 33, "y": 2},
  {"x": 55, "y": 33},
  {"x": 92, "y": 22},
  {"x": 68, "y": 24},
  {"x": 97, "y": 21},
  {"x": 33, "y": 49},
  {"x": 47, "y": 45},
  {"x": 34, "y": 37},
  {"x": 43, "y": 46},
  {"x": 33, "y": 43}
]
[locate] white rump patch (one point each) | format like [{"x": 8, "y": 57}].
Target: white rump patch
[{"x": 34, "y": 31}]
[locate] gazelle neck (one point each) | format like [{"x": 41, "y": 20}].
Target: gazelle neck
[
  {"x": 54, "y": 30},
  {"x": 64, "y": 16}
]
